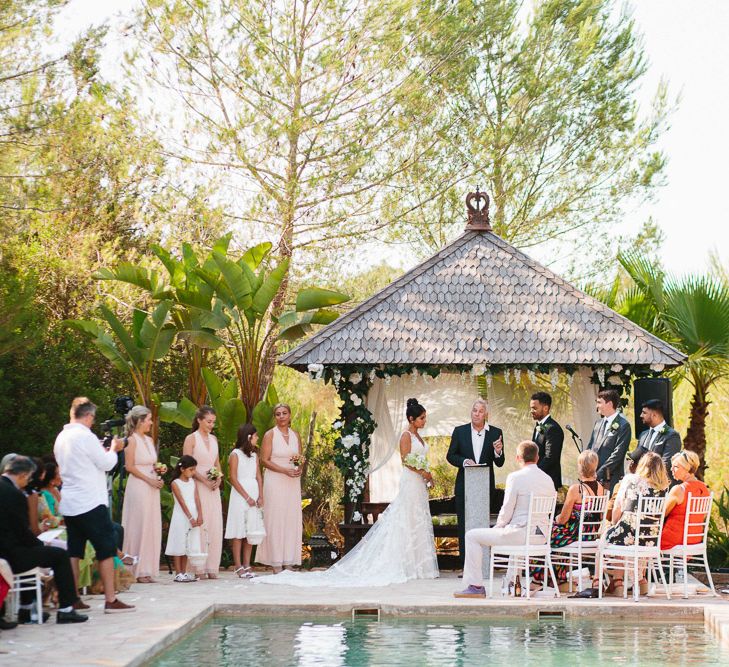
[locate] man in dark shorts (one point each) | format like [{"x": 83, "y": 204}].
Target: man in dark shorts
[{"x": 83, "y": 464}]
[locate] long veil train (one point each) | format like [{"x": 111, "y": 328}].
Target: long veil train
[{"x": 398, "y": 547}]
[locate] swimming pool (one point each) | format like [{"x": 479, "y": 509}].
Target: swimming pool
[{"x": 233, "y": 641}]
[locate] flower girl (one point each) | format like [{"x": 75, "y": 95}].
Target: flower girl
[
  {"x": 246, "y": 497},
  {"x": 186, "y": 517}
]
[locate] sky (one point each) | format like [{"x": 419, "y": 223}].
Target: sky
[{"x": 686, "y": 44}]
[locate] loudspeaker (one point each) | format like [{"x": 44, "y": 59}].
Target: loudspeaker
[{"x": 646, "y": 388}]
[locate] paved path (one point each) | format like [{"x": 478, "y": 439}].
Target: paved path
[{"x": 166, "y": 611}]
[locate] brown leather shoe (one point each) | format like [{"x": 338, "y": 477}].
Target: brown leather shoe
[
  {"x": 80, "y": 604},
  {"x": 118, "y": 607}
]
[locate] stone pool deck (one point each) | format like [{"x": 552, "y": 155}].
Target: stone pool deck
[{"x": 166, "y": 611}]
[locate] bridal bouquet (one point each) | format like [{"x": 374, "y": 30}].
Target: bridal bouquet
[
  {"x": 213, "y": 474},
  {"x": 160, "y": 469},
  {"x": 419, "y": 462},
  {"x": 297, "y": 461}
]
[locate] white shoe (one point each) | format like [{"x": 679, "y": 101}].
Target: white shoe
[
  {"x": 191, "y": 576},
  {"x": 181, "y": 577}
]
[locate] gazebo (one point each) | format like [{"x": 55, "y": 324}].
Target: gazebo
[{"x": 479, "y": 315}]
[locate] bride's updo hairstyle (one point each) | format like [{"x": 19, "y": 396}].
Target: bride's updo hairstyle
[{"x": 413, "y": 409}]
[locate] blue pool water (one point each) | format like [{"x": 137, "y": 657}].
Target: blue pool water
[{"x": 274, "y": 641}]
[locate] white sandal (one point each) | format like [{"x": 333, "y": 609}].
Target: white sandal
[
  {"x": 240, "y": 570},
  {"x": 249, "y": 574},
  {"x": 181, "y": 578}
]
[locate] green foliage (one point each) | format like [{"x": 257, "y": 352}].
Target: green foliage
[{"x": 20, "y": 321}]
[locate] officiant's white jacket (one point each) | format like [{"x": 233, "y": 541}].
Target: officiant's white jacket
[{"x": 519, "y": 485}]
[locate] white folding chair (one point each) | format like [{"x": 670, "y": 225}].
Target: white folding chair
[
  {"x": 584, "y": 550},
  {"x": 28, "y": 581},
  {"x": 646, "y": 547},
  {"x": 696, "y": 525},
  {"x": 536, "y": 548}
]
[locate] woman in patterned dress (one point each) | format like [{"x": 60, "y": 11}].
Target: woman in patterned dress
[
  {"x": 650, "y": 481},
  {"x": 566, "y": 526}
]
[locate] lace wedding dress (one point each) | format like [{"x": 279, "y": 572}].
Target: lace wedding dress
[{"x": 398, "y": 547}]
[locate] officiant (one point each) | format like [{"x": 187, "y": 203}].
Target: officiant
[{"x": 475, "y": 443}]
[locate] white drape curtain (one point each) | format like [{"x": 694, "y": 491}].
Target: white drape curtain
[{"x": 448, "y": 399}]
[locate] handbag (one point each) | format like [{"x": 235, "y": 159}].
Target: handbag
[
  {"x": 196, "y": 557},
  {"x": 255, "y": 528}
]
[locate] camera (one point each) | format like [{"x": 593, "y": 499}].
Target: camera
[{"x": 122, "y": 405}]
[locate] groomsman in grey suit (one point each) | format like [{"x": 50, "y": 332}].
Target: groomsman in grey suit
[
  {"x": 660, "y": 438},
  {"x": 610, "y": 439}
]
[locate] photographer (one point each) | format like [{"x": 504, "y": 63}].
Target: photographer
[{"x": 83, "y": 464}]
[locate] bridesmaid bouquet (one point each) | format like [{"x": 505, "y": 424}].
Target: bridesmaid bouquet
[
  {"x": 297, "y": 460},
  {"x": 160, "y": 469},
  {"x": 419, "y": 462},
  {"x": 213, "y": 473}
]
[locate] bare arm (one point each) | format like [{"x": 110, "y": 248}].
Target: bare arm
[
  {"x": 569, "y": 502},
  {"x": 181, "y": 502},
  {"x": 198, "y": 505},
  {"x": 267, "y": 453},
  {"x": 131, "y": 467},
  {"x": 259, "y": 479},
  {"x": 187, "y": 448},
  {"x": 405, "y": 447},
  {"x": 675, "y": 497},
  {"x": 233, "y": 468}
]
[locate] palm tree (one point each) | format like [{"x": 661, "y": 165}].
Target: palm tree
[{"x": 692, "y": 314}]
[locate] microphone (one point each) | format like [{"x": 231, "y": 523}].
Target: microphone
[{"x": 571, "y": 430}]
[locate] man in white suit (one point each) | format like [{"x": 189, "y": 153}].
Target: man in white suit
[{"x": 510, "y": 526}]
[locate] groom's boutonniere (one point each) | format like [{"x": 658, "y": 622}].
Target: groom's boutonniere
[
  {"x": 540, "y": 429},
  {"x": 664, "y": 430},
  {"x": 614, "y": 426}
]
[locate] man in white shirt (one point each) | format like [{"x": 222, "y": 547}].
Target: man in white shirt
[
  {"x": 476, "y": 443},
  {"x": 510, "y": 526},
  {"x": 83, "y": 464}
]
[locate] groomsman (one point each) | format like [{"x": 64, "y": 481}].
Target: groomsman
[
  {"x": 548, "y": 436},
  {"x": 476, "y": 443},
  {"x": 660, "y": 438},
  {"x": 610, "y": 439}
]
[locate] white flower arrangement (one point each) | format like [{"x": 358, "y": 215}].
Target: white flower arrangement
[
  {"x": 355, "y": 399},
  {"x": 337, "y": 425},
  {"x": 615, "y": 380},
  {"x": 554, "y": 377},
  {"x": 315, "y": 371},
  {"x": 532, "y": 376},
  {"x": 616, "y": 368},
  {"x": 356, "y": 517},
  {"x": 355, "y": 378},
  {"x": 517, "y": 375}
]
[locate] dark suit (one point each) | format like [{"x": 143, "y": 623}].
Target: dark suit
[
  {"x": 24, "y": 551},
  {"x": 460, "y": 450},
  {"x": 549, "y": 438},
  {"x": 664, "y": 444},
  {"x": 611, "y": 446}
]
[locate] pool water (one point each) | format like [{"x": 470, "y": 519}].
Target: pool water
[{"x": 274, "y": 641}]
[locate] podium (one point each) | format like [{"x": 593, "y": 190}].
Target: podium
[{"x": 477, "y": 497}]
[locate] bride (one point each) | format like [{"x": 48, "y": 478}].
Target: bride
[{"x": 400, "y": 544}]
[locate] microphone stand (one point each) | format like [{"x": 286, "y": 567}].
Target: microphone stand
[{"x": 575, "y": 438}]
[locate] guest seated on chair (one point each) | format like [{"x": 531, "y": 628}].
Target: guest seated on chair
[
  {"x": 650, "y": 480},
  {"x": 24, "y": 551},
  {"x": 511, "y": 524},
  {"x": 566, "y": 526},
  {"x": 683, "y": 466}
]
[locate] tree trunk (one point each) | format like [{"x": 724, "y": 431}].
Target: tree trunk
[
  {"x": 196, "y": 358},
  {"x": 695, "y": 439}
]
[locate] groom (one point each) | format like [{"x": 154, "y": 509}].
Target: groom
[{"x": 477, "y": 442}]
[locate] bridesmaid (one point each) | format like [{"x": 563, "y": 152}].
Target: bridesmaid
[
  {"x": 281, "y": 494},
  {"x": 141, "y": 513},
  {"x": 202, "y": 445}
]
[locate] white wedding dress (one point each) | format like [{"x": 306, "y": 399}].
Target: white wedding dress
[{"x": 398, "y": 547}]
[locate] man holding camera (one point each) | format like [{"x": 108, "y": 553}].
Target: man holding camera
[{"x": 83, "y": 464}]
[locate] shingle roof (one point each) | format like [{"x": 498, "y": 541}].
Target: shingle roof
[{"x": 482, "y": 301}]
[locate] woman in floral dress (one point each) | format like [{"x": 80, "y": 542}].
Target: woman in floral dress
[
  {"x": 566, "y": 528},
  {"x": 650, "y": 480}
]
